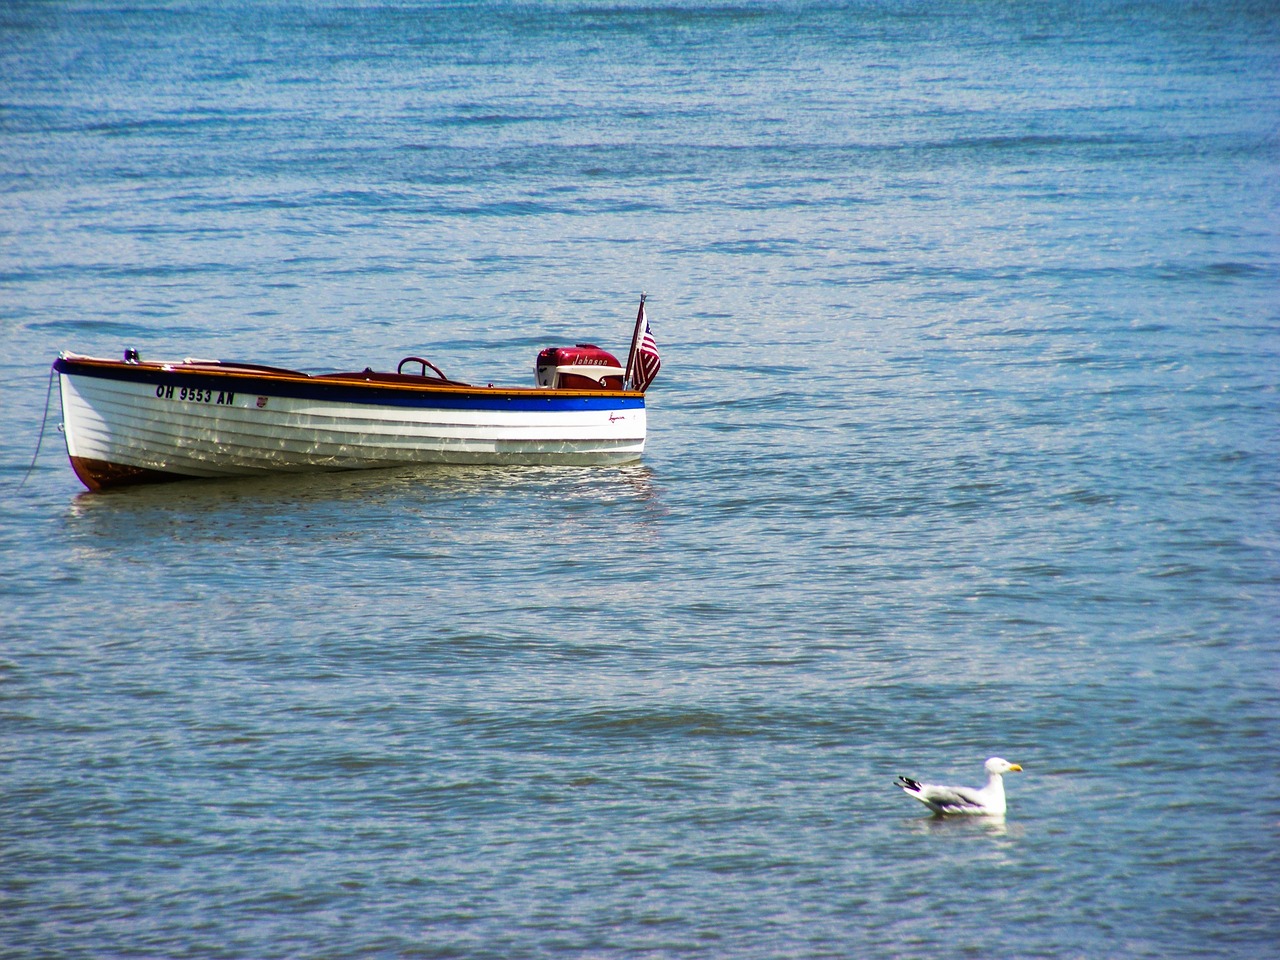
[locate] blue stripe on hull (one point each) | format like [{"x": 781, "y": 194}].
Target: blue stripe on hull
[{"x": 302, "y": 387}]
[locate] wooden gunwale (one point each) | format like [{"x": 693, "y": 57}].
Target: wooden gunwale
[{"x": 356, "y": 387}]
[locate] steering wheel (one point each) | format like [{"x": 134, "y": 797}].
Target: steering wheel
[{"x": 425, "y": 363}]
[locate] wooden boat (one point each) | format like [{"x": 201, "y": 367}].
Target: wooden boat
[{"x": 142, "y": 421}]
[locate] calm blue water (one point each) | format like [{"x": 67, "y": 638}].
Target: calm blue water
[{"x": 966, "y": 442}]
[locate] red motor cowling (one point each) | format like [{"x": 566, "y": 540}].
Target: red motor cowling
[{"x": 581, "y": 367}]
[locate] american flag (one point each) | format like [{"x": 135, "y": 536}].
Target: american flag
[{"x": 647, "y": 361}]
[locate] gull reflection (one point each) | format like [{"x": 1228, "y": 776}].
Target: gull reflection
[{"x": 991, "y": 826}]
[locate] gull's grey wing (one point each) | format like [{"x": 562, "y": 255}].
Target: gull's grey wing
[{"x": 950, "y": 799}]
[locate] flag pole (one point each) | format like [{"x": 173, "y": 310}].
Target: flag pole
[{"x": 635, "y": 342}]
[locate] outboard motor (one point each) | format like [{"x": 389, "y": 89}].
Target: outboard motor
[{"x": 581, "y": 367}]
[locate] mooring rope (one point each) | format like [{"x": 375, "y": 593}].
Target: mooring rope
[{"x": 44, "y": 421}]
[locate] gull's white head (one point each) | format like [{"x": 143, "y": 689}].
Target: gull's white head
[{"x": 998, "y": 765}]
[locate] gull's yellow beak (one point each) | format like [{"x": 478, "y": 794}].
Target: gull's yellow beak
[{"x": 1015, "y": 766}]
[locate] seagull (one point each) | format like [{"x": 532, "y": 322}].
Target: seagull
[{"x": 943, "y": 800}]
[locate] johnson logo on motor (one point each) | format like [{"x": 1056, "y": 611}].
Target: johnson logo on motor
[{"x": 582, "y": 367}]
